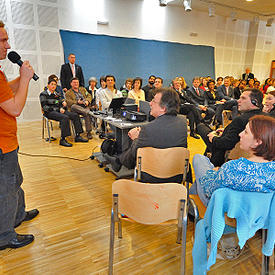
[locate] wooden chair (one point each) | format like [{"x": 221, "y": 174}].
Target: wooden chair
[
  {"x": 231, "y": 205},
  {"x": 162, "y": 163},
  {"x": 149, "y": 204},
  {"x": 225, "y": 117}
]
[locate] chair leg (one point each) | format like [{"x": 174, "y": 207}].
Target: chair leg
[
  {"x": 119, "y": 229},
  {"x": 265, "y": 259},
  {"x": 184, "y": 230},
  {"x": 43, "y": 127},
  {"x": 49, "y": 131},
  {"x": 112, "y": 239}
]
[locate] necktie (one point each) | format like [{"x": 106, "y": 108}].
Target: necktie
[
  {"x": 73, "y": 70},
  {"x": 197, "y": 90}
]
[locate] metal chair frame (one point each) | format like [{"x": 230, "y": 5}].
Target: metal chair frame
[
  {"x": 47, "y": 123},
  {"x": 181, "y": 222}
]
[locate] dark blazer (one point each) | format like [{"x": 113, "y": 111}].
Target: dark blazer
[
  {"x": 237, "y": 93},
  {"x": 250, "y": 76},
  {"x": 52, "y": 102},
  {"x": 66, "y": 75},
  {"x": 210, "y": 98},
  {"x": 221, "y": 93},
  {"x": 195, "y": 98},
  {"x": 183, "y": 96},
  {"x": 164, "y": 132},
  {"x": 230, "y": 135},
  {"x": 272, "y": 112}
]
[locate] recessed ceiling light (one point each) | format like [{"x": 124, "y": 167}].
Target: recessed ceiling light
[{"x": 249, "y": 0}]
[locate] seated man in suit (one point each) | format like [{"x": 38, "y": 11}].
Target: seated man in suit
[
  {"x": 198, "y": 98},
  {"x": 167, "y": 129},
  {"x": 247, "y": 75},
  {"x": 225, "y": 94},
  {"x": 218, "y": 142},
  {"x": 79, "y": 100},
  {"x": 54, "y": 107},
  {"x": 187, "y": 109},
  {"x": 239, "y": 90},
  {"x": 70, "y": 70},
  {"x": 157, "y": 85}
]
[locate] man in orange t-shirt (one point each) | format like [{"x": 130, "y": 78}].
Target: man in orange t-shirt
[{"x": 13, "y": 96}]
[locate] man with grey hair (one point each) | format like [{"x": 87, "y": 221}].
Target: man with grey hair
[
  {"x": 168, "y": 129},
  {"x": 13, "y": 96}
]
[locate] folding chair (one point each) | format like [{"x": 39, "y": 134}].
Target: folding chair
[{"x": 148, "y": 204}]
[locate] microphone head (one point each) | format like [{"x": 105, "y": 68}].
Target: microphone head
[{"x": 14, "y": 57}]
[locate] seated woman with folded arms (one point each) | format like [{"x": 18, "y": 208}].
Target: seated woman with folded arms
[
  {"x": 137, "y": 93},
  {"x": 254, "y": 174}
]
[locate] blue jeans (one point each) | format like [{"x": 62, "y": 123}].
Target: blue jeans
[
  {"x": 201, "y": 165},
  {"x": 12, "y": 202}
]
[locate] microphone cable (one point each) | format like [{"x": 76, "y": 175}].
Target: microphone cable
[{"x": 54, "y": 156}]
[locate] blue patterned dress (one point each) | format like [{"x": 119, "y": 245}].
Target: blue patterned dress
[{"x": 241, "y": 174}]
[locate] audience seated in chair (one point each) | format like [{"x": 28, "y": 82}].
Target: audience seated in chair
[
  {"x": 250, "y": 104},
  {"x": 269, "y": 105},
  {"x": 167, "y": 130},
  {"x": 54, "y": 107},
  {"x": 187, "y": 109},
  {"x": 197, "y": 97},
  {"x": 254, "y": 174},
  {"x": 79, "y": 100}
]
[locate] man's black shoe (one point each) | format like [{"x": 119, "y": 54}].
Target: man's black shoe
[
  {"x": 80, "y": 139},
  {"x": 192, "y": 134},
  {"x": 89, "y": 135},
  {"x": 63, "y": 142},
  {"x": 18, "y": 241},
  {"x": 29, "y": 216},
  {"x": 116, "y": 165}
]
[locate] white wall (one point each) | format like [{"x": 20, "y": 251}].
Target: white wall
[{"x": 33, "y": 27}]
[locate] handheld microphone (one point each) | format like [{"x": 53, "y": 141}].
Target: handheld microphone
[{"x": 14, "y": 57}]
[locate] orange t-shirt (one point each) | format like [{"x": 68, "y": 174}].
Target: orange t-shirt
[{"x": 8, "y": 127}]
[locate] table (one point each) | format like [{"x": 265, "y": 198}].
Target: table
[{"x": 121, "y": 128}]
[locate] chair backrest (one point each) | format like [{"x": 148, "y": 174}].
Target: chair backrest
[
  {"x": 163, "y": 163},
  {"x": 149, "y": 203}
]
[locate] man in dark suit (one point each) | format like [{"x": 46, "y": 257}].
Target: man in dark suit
[
  {"x": 225, "y": 93},
  {"x": 197, "y": 97},
  {"x": 238, "y": 90},
  {"x": 70, "y": 70},
  {"x": 249, "y": 104},
  {"x": 168, "y": 129},
  {"x": 247, "y": 75},
  {"x": 187, "y": 109}
]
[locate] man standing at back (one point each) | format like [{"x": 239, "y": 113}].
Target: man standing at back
[
  {"x": 149, "y": 86},
  {"x": 13, "y": 96},
  {"x": 69, "y": 71}
]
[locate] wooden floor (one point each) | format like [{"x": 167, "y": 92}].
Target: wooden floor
[{"x": 72, "y": 229}]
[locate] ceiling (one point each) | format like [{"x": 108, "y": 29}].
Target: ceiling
[{"x": 244, "y": 10}]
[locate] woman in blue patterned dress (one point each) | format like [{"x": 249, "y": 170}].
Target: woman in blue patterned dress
[{"x": 254, "y": 174}]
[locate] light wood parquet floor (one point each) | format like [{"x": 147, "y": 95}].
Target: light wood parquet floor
[{"x": 72, "y": 229}]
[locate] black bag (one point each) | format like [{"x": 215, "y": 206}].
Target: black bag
[{"x": 109, "y": 146}]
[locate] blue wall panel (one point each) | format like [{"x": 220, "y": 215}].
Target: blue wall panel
[{"x": 130, "y": 57}]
